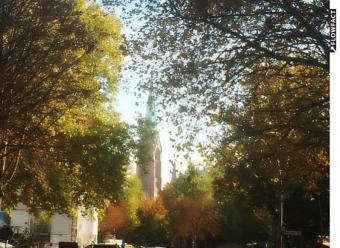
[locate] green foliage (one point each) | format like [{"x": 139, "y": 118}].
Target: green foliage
[
  {"x": 192, "y": 183},
  {"x": 121, "y": 218},
  {"x": 90, "y": 170},
  {"x": 132, "y": 194},
  {"x": 152, "y": 229},
  {"x": 194, "y": 54},
  {"x": 60, "y": 146},
  {"x": 191, "y": 208},
  {"x": 146, "y": 133},
  {"x": 254, "y": 76},
  {"x": 152, "y": 226},
  {"x": 104, "y": 157},
  {"x": 278, "y": 141},
  {"x": 241, "y": 222}
]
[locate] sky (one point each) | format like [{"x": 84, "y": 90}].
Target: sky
[
  {"x": 129, "y": 110},
  {"x": 126, "y": 105}
]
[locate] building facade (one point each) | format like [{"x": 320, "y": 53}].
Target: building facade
[{"x": 58, "y": 228}]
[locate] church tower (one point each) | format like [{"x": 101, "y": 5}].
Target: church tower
[{"x": 152, "y": 178}]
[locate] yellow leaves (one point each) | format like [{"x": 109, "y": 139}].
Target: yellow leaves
[
  {"x": 115, "y": 217},
  {"x": 100, "y": 61},
  {"x": 275, "y": 180},
  {"x": 64, "y": 64},
  {"x": 107, "y": 25},
  {"x": 74, "y": 122},
  {"x": 195, "y": 217},
  {"x": 153, "y": 207},
  {"x": 323, "y": 158},
  {"x": 294, "y": 135}
]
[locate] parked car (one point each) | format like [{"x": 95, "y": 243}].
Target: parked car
[
  {"x": 104, "y": 245},
  {"x": 263, "y": 244}
]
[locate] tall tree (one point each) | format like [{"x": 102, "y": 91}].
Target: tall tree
[
  {"x": 59, "y": 62},
  {"x": 145, "y": 134},
  {"x": 195, "y": 218},
  {"x": 191, "y": 208},
  {"x": 152, "y": 229},
  {"x": 192, "y": 183},
  {"x": 89, "y": 169},
  {"x": 259, "y": 71},
  {"x": 115, "y": 217},
  {"x": 194, "y": 53},
  {"x": 121, "y": 217},
  {"x": 278, "y": 142}
]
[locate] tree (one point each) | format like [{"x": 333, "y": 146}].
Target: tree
[
  {"x": 145, "y": 134},
  {"x": 258, "y": 73},
  {"x": 121, "y": 217},
  {"x": 208, "y": 56},
  {"x": 90, "y": 170},
  {"x": 278, "y": 142},
  {"x": 152, "y": 228},
  {"x": 191, "y": 208},
  {"x": 132, "y": 193},
  {"x": 115, "y": 217},
  {"x": 241, "y": 222},
  {"x": 195, "y": 54},
  {"x": 195, "y": 218},
  {"x": 192, "y": 183},
  {"x": 59, "y": 63}
]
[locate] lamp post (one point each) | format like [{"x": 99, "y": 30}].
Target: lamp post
[
  {"x": 281, "y": 219},
  {"x": 281, "y": 206}
]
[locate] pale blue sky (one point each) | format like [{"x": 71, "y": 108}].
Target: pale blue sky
[{"x": 126, "y": 105}]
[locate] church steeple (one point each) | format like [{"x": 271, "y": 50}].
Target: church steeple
[
  {"x": 152, "y": 178},
  {"x": 151, "y": 108}
]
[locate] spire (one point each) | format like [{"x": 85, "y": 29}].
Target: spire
[
  {"x": 151, "y": 108},
  {"x": 152, "y": 177},
  {"x": 173, "y": 171}
]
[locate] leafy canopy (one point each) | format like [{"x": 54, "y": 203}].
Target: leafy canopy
[
  {"x": 253, "y": 76},
  {"x": 61, "y": 144}
]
